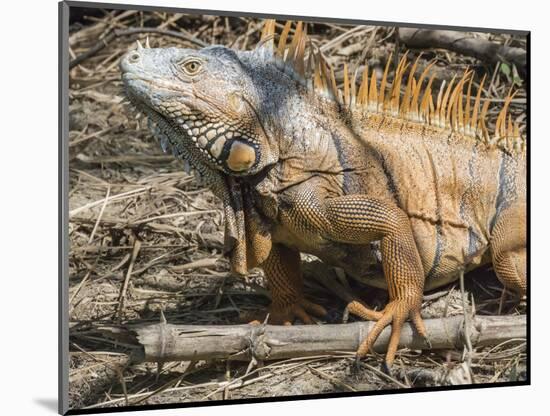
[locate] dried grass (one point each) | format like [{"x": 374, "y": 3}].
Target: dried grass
[{"x": 145, "y": 238}]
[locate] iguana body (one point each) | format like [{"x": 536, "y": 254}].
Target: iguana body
[
  {"x": 304, "y": 167},
  {"x": 452, "y": 190}
]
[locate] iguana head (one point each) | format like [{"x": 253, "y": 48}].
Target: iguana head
[{"x": 209, "y": 98}]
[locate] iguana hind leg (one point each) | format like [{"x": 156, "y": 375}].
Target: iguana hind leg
[
  {"x": 508, "y": 249},
  {"x": 284, "y": 277}
]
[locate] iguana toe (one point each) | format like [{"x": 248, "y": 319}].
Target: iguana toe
[
  {"x": 395, "y": 312},
  {"x": 302, "y": 309},
  {"x": 285, "y": 315}
]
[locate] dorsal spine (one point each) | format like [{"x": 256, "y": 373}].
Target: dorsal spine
[{"x": 452, "y": 109}]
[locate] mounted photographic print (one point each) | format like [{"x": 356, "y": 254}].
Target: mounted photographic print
[{"x": 264, "y": 207}]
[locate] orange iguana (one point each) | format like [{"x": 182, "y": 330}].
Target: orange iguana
[{"x": 302, "y": 166}]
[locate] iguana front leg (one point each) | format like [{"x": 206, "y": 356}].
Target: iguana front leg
[
  {"x": 359, "y": 219},
  {"x": 284, "y": 278}
]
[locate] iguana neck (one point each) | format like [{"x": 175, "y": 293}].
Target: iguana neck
[{"x": 307, "y": 128}]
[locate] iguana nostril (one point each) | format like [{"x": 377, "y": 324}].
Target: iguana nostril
[{"x": 134, "y": 57}]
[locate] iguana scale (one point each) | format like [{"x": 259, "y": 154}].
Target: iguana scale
[{"x": 302, "y": 166}]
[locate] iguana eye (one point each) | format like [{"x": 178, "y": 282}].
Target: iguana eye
[{"x": 191, "y": 67}]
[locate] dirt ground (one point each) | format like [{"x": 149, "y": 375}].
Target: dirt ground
[{"x": 146, "y": 237}]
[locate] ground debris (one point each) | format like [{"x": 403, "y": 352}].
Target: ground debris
[{"x": 123, "y": 189}]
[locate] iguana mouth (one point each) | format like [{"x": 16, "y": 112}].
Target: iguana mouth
[{"x": 128, "y": 77}]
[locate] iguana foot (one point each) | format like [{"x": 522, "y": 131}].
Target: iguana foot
[
  {"x": 395, "y": 312},
  {"x": 285, "y": 315}
]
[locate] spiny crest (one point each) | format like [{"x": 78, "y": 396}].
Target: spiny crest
[{"x": 455, "y": 108}]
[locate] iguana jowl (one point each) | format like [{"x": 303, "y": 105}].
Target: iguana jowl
[{"x": 304, "y": 167}]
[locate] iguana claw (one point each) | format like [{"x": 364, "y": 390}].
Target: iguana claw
[
  {"x": 302, "y": 309},
  {"x": 428, "y": 342},
  {"x": 395, "y": 313}
]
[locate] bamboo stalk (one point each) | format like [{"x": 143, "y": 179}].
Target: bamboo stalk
[{"x": 167, "y": 342}]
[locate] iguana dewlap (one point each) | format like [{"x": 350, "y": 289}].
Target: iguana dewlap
[{"x": 302, "y": 166}]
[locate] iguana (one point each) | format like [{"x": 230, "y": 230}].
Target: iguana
[{"x": 303, "y": 166}]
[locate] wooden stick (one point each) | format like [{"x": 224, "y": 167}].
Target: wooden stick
[
  {"x": 464, "y": 44},
  {"x": 167, "y": 342}
]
